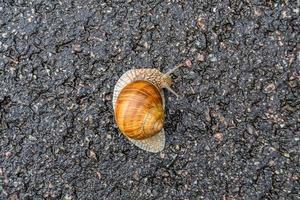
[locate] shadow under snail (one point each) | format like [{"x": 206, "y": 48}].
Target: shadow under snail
[{"x": 139, "y": 106}]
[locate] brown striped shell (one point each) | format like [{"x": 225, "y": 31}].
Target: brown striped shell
[
  {"x": 139, "y": 111},
  {"x": 138, "y": 103}
]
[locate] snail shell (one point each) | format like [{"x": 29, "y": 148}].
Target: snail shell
[
  {"x": 138, "y": 103},
  {"x": 139, "y": 110}
]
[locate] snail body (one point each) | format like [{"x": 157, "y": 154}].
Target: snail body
[{"x": 139, "y": 107}]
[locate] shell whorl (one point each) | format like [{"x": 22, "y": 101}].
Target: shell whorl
[
  {"x": 139, "y": 110},
  {"x": 154, "y": 76}
]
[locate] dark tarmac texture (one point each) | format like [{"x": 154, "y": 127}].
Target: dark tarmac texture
[{"x": 234, "y": 133}]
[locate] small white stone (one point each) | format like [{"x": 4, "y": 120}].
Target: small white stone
[
  {"x": 286, "y": 154},
  {"x": 212, "y": 57},
  {"x": 68, "y": 197},
  {"x": 4, "y": 35},
  {"x": 32, "y": 138}
]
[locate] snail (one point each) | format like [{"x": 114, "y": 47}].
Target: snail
[{"x": 139, "y": 106}]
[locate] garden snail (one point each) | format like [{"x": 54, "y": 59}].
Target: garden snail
[{"x": 139, "y": 106}]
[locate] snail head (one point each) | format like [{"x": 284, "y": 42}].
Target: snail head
[{"x": 167, "y": 81}]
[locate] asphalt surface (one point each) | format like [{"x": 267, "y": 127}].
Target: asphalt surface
[{"x": 233, "y": 135}]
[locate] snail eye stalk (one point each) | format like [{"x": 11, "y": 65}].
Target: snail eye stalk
[
  {"x": 174, "y": 69},
  {"x": 172, "y": 91},
  {"x": 187, "y": 63}
]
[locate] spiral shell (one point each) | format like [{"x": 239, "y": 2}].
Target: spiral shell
[
  {"x": 138, "y": 103},
  {"x": 139, "y": 110}
]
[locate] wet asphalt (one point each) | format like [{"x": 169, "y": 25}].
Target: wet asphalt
[{"x": 234, "y": 133}]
